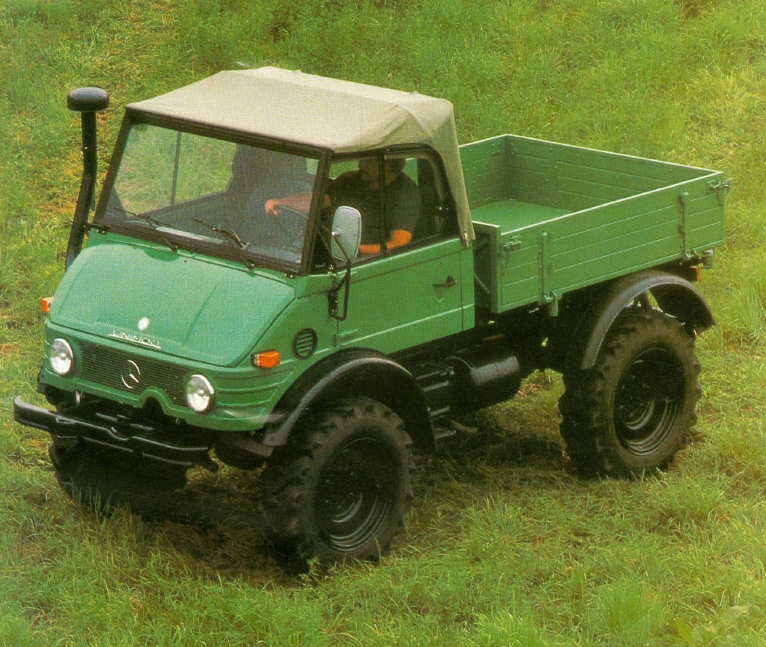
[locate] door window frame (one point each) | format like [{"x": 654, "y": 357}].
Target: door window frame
[{"x": 444, "y": 203}]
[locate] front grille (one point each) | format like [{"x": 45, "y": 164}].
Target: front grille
[{"x": 131, "y": 373}]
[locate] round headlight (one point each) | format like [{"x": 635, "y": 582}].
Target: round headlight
[
  {"x": 200, "y": 394},
  {"x": 60, "y": 357}
]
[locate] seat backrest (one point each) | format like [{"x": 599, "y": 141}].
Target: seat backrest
[
  {"x": 429, "y": 221},
  {"x": 259, "y": 174}
]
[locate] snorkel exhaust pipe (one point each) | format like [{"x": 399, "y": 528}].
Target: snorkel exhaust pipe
[{"x": 87, "y": 101}]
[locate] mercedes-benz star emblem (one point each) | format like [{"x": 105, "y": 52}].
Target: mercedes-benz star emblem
[
  {"x": 143, "y": 323},
  {"x": 131, "y": 377}
]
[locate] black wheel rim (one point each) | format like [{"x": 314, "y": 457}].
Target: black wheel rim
[
  {"x": 648, "y": 401},
  {"x": 356, "y": 494}
]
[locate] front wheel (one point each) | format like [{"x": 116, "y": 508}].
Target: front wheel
[
  {"x": 341, "y": 490},
  {"x": 102, "y": 479},
  {"x": 633, "y": 410}
]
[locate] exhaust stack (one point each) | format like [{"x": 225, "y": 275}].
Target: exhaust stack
[{"x": 87, "y": 101}]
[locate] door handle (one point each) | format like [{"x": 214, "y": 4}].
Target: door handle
[{"x": 450, "y": 282}]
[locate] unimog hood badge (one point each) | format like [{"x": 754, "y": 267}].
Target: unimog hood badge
[{"x": 135, "y": 339}]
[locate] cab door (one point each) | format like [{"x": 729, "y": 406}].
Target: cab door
[
  {"x": 406, "y": 299},
  {"x": 415, "y": 293}
]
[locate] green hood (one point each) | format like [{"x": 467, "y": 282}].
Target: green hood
[{"x": 183, "y": 305}]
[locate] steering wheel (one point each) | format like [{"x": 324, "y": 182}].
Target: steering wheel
[{"x": 289, "y": 228}]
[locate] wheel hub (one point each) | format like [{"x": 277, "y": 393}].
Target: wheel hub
[
  {"x": 648, "y": 400},
  {"x": 355, "y": 495}
]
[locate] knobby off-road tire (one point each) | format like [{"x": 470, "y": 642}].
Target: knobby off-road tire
[
  {"x": 103, "y": 479},
  {"x": 340, "y": 491},
  {"x": 633, "y": 410}
]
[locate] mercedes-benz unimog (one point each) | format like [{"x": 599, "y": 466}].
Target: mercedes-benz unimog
[{"x": 202, "y": 324}]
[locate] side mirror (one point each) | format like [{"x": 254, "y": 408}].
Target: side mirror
[
  {"x": 346, "y": 238},
  {"x": 346, "y": 234}
]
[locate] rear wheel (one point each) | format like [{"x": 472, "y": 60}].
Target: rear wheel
[
  {"x": 341, "y": 490},
  {"x": 633, "y": 410}
]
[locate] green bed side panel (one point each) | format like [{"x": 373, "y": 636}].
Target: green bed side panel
[{"x": 552, "y": 218}]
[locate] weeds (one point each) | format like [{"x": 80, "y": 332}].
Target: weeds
[{"x": 502, "y": 547}]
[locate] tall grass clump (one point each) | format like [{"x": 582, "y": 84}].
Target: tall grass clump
[{"x": 502, "y": 545}]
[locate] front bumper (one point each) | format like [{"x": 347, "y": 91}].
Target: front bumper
[{"x": 125, "y": 437}]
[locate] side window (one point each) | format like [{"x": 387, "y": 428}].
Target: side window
[{"x": 409, "y": 209}]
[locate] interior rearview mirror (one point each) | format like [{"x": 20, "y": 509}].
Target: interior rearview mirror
[{"x": 346, "y": 234}]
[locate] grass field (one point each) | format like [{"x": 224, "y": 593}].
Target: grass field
[{"x": 502, "y": 547}]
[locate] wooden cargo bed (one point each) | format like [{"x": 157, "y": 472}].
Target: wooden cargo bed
[{"x": 551, "y": 218}]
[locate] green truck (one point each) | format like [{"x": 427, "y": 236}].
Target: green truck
[{"x": 233, "y": 305}]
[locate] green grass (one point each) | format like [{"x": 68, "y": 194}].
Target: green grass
[{"x": 502, "y": 546}]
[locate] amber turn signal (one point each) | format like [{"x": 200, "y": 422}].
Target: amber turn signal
[
  {"x": 45, "y": 304},
  {"x": 267, "y": 359}
]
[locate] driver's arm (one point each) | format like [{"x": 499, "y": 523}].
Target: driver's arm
[
  {"x": 399, "y": 237},
  {"x": 299, "y": 202}
]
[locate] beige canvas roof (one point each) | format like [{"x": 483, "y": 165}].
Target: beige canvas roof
[{"x": 337, "y": 115}]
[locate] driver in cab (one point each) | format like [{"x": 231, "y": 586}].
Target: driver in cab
[{"x": 361, "y": 189}]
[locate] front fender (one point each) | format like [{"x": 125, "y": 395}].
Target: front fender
[
  {"x": 674, "y": 295},
  {"x": 351, "y": 373}
]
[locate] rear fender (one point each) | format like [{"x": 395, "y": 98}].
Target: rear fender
[
  {"x": 674, "y": 296},
  {"x": 352, "y": 373}
]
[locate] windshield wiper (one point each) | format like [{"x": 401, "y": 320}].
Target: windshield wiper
[
  {"x": 232, "y": 237},
  {"x": 143, "y": 216},
  {"x": 154, "y": 223}
]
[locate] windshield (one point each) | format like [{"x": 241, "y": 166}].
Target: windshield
[{"x": 189, "y": 189}]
